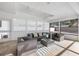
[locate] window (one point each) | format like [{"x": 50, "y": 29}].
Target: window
[
  {"x": 70, "y": 26},
  {"x": 19, "y": 25},
  {"x": 4, "y": 28},
  {"x": 54, "y": 26}
]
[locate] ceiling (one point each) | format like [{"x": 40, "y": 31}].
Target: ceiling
[{"x": 47, "y": 11}]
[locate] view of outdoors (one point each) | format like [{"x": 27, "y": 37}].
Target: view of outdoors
[
  {"x": 54, "y": 27},
  {"x": 70, "y": 26},
  {"x": 4, "y": 28}
]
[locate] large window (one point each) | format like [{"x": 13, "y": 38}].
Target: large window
[
  {"x": 4, "y": 25},
  {"x": 4, "y": 28},
  {"x": 19, "y": 25},
  {"x": 70, "y": 26}
]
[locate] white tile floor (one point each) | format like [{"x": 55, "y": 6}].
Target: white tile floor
[
  {"x": 64, "y": 43},
  {"x": 51, "y": 50},
  {"x": 69, "y": 53},
  {"x": 75, "y": 47}
]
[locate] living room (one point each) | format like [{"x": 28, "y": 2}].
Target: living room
[{"x": 39, "y": 29}]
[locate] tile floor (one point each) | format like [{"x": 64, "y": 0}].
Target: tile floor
[
  {"x": 69, "y": 53},
  {"x": 62, "y": 48},
  {"x": 75, "y": 47}
]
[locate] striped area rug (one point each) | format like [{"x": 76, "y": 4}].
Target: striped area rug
[{"x": 51, "y": 50}]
